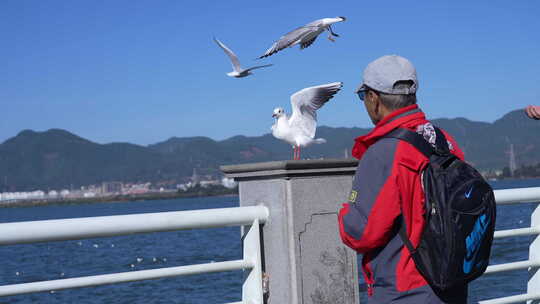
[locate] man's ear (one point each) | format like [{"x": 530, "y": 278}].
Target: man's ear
[{"x": 376, "y": 104}]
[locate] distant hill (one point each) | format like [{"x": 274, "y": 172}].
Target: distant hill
[
  {"x": 59, "y": 159},
  {"x": 487, "y": 144}
]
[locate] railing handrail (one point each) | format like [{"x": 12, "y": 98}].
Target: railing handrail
[
  {"x": 122, "y": 277},
  {"x": 517, "y": 195},
  {"x": 104, "y": 226},
  {"x": 114, "y": 225}
]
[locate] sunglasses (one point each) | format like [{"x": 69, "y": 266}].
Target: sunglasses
[
  {"x": 361, "y": 95},
  {"x": 363, "y": 92}
]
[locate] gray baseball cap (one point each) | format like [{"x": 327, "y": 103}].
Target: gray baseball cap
[{"x": 383, "y": 73}]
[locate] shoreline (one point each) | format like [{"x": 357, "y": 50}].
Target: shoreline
[{"x": 111, "y": 199}]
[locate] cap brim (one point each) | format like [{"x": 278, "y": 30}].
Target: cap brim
[{"x": 361, "y": 87}]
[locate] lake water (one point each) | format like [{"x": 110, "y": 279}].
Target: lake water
[{"x": 56, "y": 260}]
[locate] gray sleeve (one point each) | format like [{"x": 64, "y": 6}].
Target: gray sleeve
[{"x": 371, "y": 175}]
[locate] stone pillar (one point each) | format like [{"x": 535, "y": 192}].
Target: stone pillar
[{"x": 303, "y": 256}]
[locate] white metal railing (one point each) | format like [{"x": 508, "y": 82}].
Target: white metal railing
[
  {"x": 104, "y": 226},
  {"x": 515, "y": 196},
  {"x": 250, "y": 217}
]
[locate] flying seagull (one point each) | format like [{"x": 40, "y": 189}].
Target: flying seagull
[
  {"x": 299, "y": 129},
  {"x": 238, "y": 71},
  {"x": 304, "y": 35}
]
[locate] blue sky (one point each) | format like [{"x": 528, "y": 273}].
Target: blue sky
[{"x": 143, "y": 71}]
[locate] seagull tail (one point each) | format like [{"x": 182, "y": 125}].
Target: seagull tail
[{"x": 320, "y": 141}]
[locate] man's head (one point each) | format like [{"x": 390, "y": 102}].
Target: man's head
[{"x": 389, "y": 83}]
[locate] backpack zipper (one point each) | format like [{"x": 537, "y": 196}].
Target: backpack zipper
[{"x": 433, "y": 206}]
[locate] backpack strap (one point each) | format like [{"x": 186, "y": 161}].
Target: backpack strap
[
  {"x": 420, "y": 143},
  {"x": 441, "y": 143},
  {"x": 403, "y": 234},
  {"x": 425, "y": 148}
]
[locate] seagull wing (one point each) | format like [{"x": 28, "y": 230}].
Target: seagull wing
[
  {"x": 289, "y": 39},
  {"x": 232, "y": 56},
  {"x": 306, "y": 102},
  {"x": 259, "y": 66},
  {"x": 307, "y": 43}
]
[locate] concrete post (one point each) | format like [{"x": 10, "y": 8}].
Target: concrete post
[{"x": 303, "y": 256}]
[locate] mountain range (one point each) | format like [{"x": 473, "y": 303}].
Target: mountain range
[{"x": 57, "y": 159}]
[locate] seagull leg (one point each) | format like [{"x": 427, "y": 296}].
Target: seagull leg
[
  {"x": 299, "y": 150},
  {"x": 330, "y": 36},
  {"x": 332, "y": 32},
  {"x": 294, "y": 152}
]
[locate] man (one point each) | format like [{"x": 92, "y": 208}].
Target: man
[
  {"x": 388, "y": 183},
  {"x": 533, "y": 112}
]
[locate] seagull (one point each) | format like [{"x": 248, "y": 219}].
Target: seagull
[
  {"x": 299, "y": 129},
  {"x": 304, "y": 35},
  {"x": 238, "y": 71}
]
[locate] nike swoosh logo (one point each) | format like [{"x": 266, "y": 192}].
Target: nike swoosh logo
[
  {"x": 473, "y": 242},
  {"x": 468, "y": 193},
  {"x": 468, "y": 263}
]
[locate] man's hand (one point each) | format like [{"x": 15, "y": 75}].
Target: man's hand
[{"x": 533, "y": 112}]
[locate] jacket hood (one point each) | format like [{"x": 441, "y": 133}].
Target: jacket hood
[{"x": 407, "y": 117}]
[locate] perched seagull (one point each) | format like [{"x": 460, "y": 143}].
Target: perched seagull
[
  {"x": 304, "y": 35},
  {"x": 238, "y": 71},
  {"x": 299, "y": 129}
]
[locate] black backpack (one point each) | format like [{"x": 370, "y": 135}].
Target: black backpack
[{"x": 460, "y": 216}]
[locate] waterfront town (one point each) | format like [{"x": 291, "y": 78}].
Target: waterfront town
[
  {"x": 114, "y": 189},
  {"x": 111, "y": 189}
]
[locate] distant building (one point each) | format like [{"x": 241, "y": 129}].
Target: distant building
[
  {"x": 195, "y": 177},
  {"x": 111, "y": 187},
  {"x": 208, "y": 183},
  {"x": 137, "y": 188},
  {"x": 89, "y": 194},
  {"x": 37, "y": 194},
  {"x": 229, "y": 183}
]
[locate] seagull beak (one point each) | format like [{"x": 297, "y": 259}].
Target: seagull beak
[{"x": 274, "y": 115}]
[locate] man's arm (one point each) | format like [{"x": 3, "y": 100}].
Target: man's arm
[{"x": 366, "y": 221}]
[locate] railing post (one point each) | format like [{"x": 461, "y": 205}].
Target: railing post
[
  {"x": 252, "y": 287},
  {"x": 533, "y": 286},
  {"x": 304, "y": 259}
]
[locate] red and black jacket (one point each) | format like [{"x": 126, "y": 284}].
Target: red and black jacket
[{"x": 387, "y": 183}]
